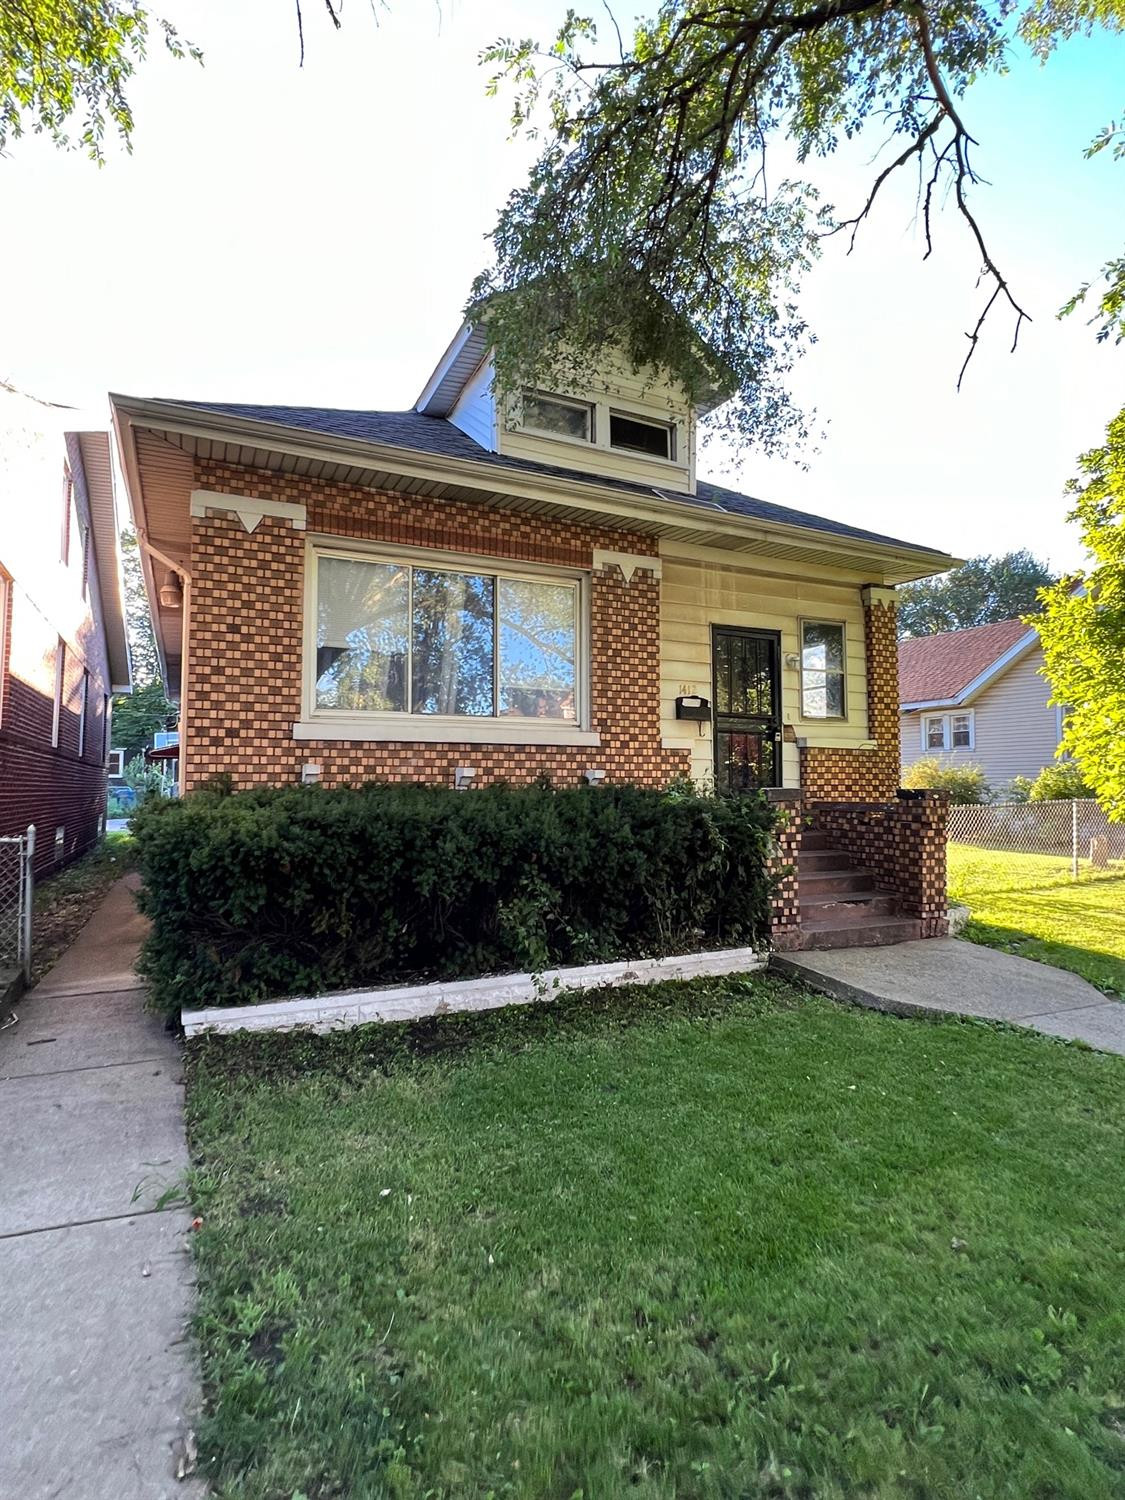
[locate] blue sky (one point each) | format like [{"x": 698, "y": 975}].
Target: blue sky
[{"x": 309, "y": 236}]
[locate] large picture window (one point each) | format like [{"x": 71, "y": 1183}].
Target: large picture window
[
  {"x": 822, "y": 670},
  {"x": 394, "y": 637}
]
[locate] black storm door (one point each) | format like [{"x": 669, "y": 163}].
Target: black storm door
[{"x": 747, "y": 709}]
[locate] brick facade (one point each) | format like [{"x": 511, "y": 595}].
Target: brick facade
[
  {"x": 243, "y": 693},
  {"x": 785, "y": 909},
  {"x": 54, "y": 601},
  {"x": 902, "y": 842}
]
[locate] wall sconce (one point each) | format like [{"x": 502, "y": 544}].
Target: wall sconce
[
  {"x": 463, "y": 778},
  {"x": 171, "y": 592},
  {"x": 792, "y": 660},
  {"x": 595, "y": 776},
  {"x": 310, "y": 773}
]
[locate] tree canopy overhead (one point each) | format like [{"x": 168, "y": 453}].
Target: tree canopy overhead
[
  {"x": 980, "y": 592},
  {"x": 651, "y": 218}
]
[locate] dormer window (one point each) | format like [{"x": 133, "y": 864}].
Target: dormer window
[
  {"x": 558, "y": 417},
  {"x": 632, "y": 435}
]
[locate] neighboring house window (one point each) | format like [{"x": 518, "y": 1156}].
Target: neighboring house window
[
  {"x": 635, "y": 436},
  {"x": 60, "y": 672},
  {"x": 117, "y": 762},
  {"x": 394, "y": 637},
  {"x": 822, "y": 670},
  {"x": 83, "y": 708},
  {"x": 558, "y": 417},
  {"x": 948, "y": 731}
]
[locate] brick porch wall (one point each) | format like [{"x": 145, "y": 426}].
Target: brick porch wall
[
  {"x": 902, "y": 842},
  {"x": 243, "y": 692}
]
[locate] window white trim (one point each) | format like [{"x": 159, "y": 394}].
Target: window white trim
[
  {"x": 83, "y": 709},
  {"x": 601, "y": 414},
  {"x": 667, "y": 427},
  {"x": 60, "y": 672},
  {"x": 401, "y": 726},
  {"x": 946, "y": 721},
  {"x": 116, "y": 763},
  {"x": 841, "y": 672},
  {"x": 575, "y": 405}
]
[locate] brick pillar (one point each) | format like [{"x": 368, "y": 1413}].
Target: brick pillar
[
  {"x": 880, "y": 633},
  {"x": 785, "y": 905},
  {"x": 920, "y": 876}
]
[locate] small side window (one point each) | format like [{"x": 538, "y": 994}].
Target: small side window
[
  {"x": 558, "y": 417},
  {"x": 822, "y": 670},
  {"x": 935, "y": 734},
  {"x": 961, "y": 735},
  {"x": 634, "y": 435}
]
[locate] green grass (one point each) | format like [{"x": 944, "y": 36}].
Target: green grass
[
  {"x": 1028, "y": 904},
  {"x": 715, "y": 1241}
]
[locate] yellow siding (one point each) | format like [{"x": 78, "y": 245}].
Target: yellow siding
[
  {"x": 620, "y": 388},
  {"x": 697, "y": 593}
]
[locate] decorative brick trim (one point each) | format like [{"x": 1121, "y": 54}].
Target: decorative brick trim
[
  {"x": 785, "y": 905},
  {"x": 243, "y": 694}
]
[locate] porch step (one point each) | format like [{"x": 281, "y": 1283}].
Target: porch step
[
  {"x": 875, "y": 932},
  {"x": 815, "y": 860},
  {"x": 848, "y": 906},
  {"x": 811, "y": 839},
  {"x": 842, "y": 878}
]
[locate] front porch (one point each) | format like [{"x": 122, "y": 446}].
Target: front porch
[{"x": 858, "y": 874}]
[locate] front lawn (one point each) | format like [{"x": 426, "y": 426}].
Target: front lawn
[
  {"x": 1028, "y": 904},
  {"x": 700, "y": 1241}
]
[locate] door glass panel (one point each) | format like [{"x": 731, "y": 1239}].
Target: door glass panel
[
  {"x": 743, "y": 681},
  {"x": 745, "y": 760}
]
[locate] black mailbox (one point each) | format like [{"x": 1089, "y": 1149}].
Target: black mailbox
[{"x": 693, "y": 707}]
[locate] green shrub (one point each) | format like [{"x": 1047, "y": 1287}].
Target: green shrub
[
  {"x": 1017, "y": 790},
  {"x": 1061, "y": 780},
  {"x": 964, "y": 783},
  {"x": 302, "y": 890}
]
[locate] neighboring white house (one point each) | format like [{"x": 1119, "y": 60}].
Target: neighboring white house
[{"x": 978, "y": 696}]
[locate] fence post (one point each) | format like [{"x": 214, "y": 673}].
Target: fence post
[
  {"x": 1074, "y": 838},
  {"x": 28, "y": 893}
]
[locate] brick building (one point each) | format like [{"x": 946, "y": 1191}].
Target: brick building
[
  {"x": 487, "y": 587},
  {"x": 63, "y": 649}
]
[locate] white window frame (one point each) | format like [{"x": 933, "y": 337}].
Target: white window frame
[
  {"x": 947, "y": 746},
  {"x": 399, "y": 725},
  {"x": 116, "y": 767},
  {"x": 601, "y": 413},
  {"x": 631, "y": 416},
  {"x": 60, "y": 675},
  {"x": 83, "y": 709},
  {"x": 842, "y": 626}
]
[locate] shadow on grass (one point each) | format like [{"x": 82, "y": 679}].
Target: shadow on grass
[{"x": 1103, "y": 970}]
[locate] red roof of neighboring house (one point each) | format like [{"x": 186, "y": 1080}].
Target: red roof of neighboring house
[{"x": 937, "y": 668}]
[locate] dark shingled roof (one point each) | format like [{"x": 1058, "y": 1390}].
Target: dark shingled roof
[{"x": 425, "y": 434}]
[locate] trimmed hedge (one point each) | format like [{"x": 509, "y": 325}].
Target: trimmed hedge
[{"x": 302, "y": 890}]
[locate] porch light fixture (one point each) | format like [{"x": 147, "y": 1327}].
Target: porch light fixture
[
  {"x": 595, "y": 776},
  {"x": 463, "y": 778},
  {"x": 792, "y": 660},
  {"x": 171, "y": 592}
]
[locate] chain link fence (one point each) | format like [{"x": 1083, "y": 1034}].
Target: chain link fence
[
  {"x": 16, "y": 855},
  {"x": 1078, "y": 830}
]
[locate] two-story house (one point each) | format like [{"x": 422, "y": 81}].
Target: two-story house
[
  {"x": 63, "y": 649},
  {"x": 492, "y": 586}
]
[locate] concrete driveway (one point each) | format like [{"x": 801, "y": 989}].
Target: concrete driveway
[
  {"x": 947, "y": 976},
  {"x": 96, "y": 1379}
]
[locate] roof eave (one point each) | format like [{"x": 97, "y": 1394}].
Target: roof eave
[
  {"x": 573, "y": 490},
  {"x": 126, "y": 447},
  {"x": 103, "y": 524}
]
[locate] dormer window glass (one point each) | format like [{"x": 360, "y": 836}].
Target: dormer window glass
[
  {"x": 632, "y": 435},
  {"x": 558, "y": 417}
]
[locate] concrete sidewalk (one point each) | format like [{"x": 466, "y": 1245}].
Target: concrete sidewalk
[
  {"x": 947, "y": 976},
  {"x": 96, "y": 1378}
]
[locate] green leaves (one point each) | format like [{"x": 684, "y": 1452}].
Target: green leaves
[
  {"x": 299, "y": 890},
  {"x": 980, "y": 592},
  {"x": 64, "y": 65},
  {"x": 1083, "y": 633}
]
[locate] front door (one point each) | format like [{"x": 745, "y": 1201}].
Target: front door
[{"x": 747, "y": 709}]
